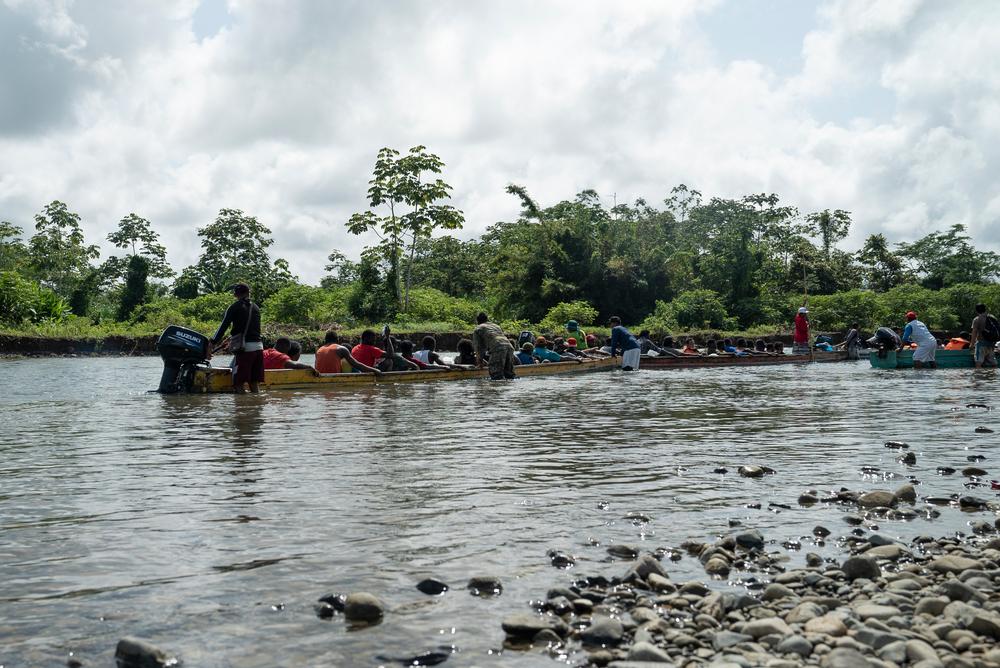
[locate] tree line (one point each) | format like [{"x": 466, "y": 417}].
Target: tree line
[{"x": 686, "y": 262}]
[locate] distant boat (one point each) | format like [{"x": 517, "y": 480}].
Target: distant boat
[
  {"x": 903, "y": 359},
  {"x": 700, "y": 361}
]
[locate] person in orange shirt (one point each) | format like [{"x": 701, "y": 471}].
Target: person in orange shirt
[
  {"x": 332, "y": 357},
  {"x": 961, "y": 342}
]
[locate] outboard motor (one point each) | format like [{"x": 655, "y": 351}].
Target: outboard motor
[
  {"x": 525, "y": 337},
  {"x": 181, "y": 350}
]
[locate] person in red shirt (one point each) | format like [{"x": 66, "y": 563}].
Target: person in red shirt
[
  {"x": 801, "y": 339},
  {"x": 367, "y": 352},
  {"x": 278, "y": 358}
]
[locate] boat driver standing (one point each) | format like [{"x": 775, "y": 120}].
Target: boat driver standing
[{"x": 244, "y": 340}]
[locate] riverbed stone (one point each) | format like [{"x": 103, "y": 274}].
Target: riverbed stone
[
  {"x": 526, "y": 625},
  {"x": 906, "y": 494},
  {"x": 775, "y": 591},
  {"x": 750, "y": 540},
  {"x": 622, "y": 551},
  {"x": 858, "y": 567},
  {"x": 645, "y": 566},
  {"x": 138, "y": 653},
  {"x": 485, "y": 585},
  {"x": 844, "y": 657},
  {"x": 717, "y": 566},
  {"x": 363, "y": 607},
  {"x": 973, "y": 472},
  {"x": 877, "y": 499},
  {"x": 726, "y": 639},
  {"x": 920, "y": 650},
  {"x": 956, "y": 590},
  {"x": 804, "y": 611},
  {"x": 794, "y": 645},
  {"x": 659, "y": 582},
  {"x": 953, "y": 564},
  {"x": 603, "y": 631},
  {"x": 759, "y": 628},
  {"x": 432, "y": 586},
  {"x": 875, "y": 611},
  {"x": 751, "y": 471},
  {"x": 644, "y": 651},
  {"x": 891, "y": 552}
]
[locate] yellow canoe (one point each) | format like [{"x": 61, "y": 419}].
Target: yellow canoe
[{"x": 219, "y": 380}]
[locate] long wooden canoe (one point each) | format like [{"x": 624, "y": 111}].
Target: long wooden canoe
[
  {"x": 903, "y": 359},
  {"x": 219, "y": 380},
  {"x": 698, "y": 362}
]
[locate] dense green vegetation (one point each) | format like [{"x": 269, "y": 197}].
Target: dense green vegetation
[{"x": 687, "y": 264}]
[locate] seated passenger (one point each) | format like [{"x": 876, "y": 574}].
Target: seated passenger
[
  {"x": 741, "y": 348},
  {"x": 406, "y": 352},
  {"x": 367, "y": 352},
  {"x": 759, "y": 346},
  {"x": 396, "y": 361},
  {"x": 466, "y": 353},
  {"x": 427, "y": 354},
  {"x": 690, "y": 348},
  {"x": 646, "y": 344},
  {"x": 543, "y": 353},
  {"x": 712, "y": 348},
  {"x": 779, "y": 347},
  {"x": 571, "y": 348},
  {"x": 727, "y": 346},
  {"x": 960, "y": 342},
  {"x": 559, "y": 345},
  {"x": 769, "y": 347},
  {"x": 295, "y": 350},
  {"x": 277, "y": 357},
  {"x": 332, "y": 357},
  {"x": 524, "y": 355}
]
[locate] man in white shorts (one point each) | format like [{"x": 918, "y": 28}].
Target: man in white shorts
[
  {"x": 622, "y": 339},
  {"x": 918, "y": 333}
]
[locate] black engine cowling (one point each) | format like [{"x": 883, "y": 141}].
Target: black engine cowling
[{"x": 180, "y": 348}]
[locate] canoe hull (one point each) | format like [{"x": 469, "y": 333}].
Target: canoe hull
[
  {"x": 693, "y": 362},
  {"x": 219, "y": 380},
  {"x": 903, "y": 359}
]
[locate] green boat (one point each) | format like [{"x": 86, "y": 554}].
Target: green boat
[{"x": 903, "y": 359}]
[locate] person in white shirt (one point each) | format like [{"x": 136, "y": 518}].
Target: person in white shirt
[{"x": 917, "y": 332}]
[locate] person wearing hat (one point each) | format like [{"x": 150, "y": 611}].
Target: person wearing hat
[
  {"x": 243, "y": 317},
  {"x": 573, "y": 327},
  {"x": 917, "y": 332},
  {"x": 800, "y": 341}
]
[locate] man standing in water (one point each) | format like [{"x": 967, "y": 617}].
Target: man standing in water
[
  {"x": 489, "y": 339},
  {"x": 622, "y": 339},
  {"x": 918, "y": 333},
  {"x": 244, "y": 342},
  {"x": 984, "y": 337}
]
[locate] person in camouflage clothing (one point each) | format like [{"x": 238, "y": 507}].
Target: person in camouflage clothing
[{"x": 489, "y": 340}]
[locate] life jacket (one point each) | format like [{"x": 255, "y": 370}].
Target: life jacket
[{"x": 957, "y": 343}]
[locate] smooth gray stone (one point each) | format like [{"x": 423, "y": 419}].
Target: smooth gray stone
[
  {"x": 526, "y": 625},
  {"x": 603, "y": 631},
  {"x": 795, "y": 645},
  {"x": 726, "y": 639},
  {"x": 138, "y": 653},
  {"x": 363, "y": 607},
  {"x": 644, "y": 651},
  {"x": 876, "y": 639},
  {"x": 844, "y": 657},
  {"x": 855, "y": 568}
]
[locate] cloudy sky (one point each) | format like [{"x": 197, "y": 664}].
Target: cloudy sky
[{"x": 175, "y": 109}]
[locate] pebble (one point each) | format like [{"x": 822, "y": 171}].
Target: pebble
[
  {"x": 983, "y": 430},
  {"x": 485, "y": 585},
  {"x": 909, "y": 458},
  {"x": 830, "y": 625},
  {"x": 906, "y": 494},
  {"x": 524, "y": 625},
  {"x": 795, "y": 645},
  {"x": 603, "y": 631},
  {"x": 750, "y": 540},
  {"x": 621, "y": 551},
  {"x": 765, "y": 627},
  {"x": 896, "y": 445},
  {"x": 138, "y": 653},
  {"x": 363, "y": 607},
  {"x": 973, "y": 472},
  {"x": 432, "y": 586},
  {"x": 953, "y": 564},
  {"x": 644, "y": 651},
  {"x": 751, "y": 471},
  {"x": 861, "y": 567},
  {"x": 877, "y": 498}
]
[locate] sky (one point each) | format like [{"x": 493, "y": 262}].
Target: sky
[{"x": 889, "y": 109}]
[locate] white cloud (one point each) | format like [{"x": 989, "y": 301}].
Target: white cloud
[{"x": 281, "y": 112}]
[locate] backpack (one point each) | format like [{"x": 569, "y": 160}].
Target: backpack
[{"x": 991, "y": 329}]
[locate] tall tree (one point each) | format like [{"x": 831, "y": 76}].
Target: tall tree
[
  {"x": 829, "y": 226},
  {"x": 942, "y": 259},
  {"x": 13, "y": 252},
  {"x": 58, "y": 255},
  {"x": 136, "y": 235},
  {"x": 397, "y": 183},
  {"x": 881, "y": 269},
  {"x": 234, "y": 250},
  {"x": 135, "y": 289}
]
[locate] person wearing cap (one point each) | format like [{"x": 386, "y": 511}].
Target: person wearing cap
[
  {"x": 242, "y": 320},
  {"x": 573, "y": 327},
  {"x": 543, "y": 353},
  {"x": 622, "y": 339},
  {"x": 917, "y": 332},
  {"x": 800, "y": 340},
  {"x": 526, "y": 355}
]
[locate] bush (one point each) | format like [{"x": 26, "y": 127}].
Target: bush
[
  {"x": 700, "y": 309},
  {"x": 557, "y": 317},
  {"x": 207, "y": 308},
  {"x": 307, "y": 306},
  {"x": 24, "y": 301},
  {"x": 931, "y": 306},
  {"x": 661, "y": 320},
  {"x": 431, "y": 305},
  {"x": 839, "y": 310}
]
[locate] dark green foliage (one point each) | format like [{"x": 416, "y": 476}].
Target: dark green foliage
[
  {"x": 22, "y": 300},
  {"x": 58, "y": 256},
  {"x": 134, "y": 292}
]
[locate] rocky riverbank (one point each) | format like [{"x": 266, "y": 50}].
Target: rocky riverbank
[{"x": 934, "y": 602}]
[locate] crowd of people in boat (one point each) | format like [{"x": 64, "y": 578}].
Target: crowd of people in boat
[{"x": 490, "y": 347}]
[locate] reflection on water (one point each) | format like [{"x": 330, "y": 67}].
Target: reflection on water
[{"x": 210, "y": 524}]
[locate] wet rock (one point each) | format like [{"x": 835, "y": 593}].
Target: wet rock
[
  {"x": 625, "y": 552},
  {"x": 861, "y": 567},
  {"x": 875, "y": 638},
  {"x": 820, "y": 531},
  {"x": 644, "y": 651},
  {"x": 138, "y": 653},
  {"x": 603, "y": 631},
  {"x": 953, "y": 564},
  {"x": 973, "y": 472},
  {"x": 641, "y": 518},
  {"x": 775, "y": 592},
  {"x": 425, "y": 659},
  {"x": 335, "y": 601},
  {"x": 803, "y": 612},
  {"x": 896, "y": 445},
  {"x": 485, "y": 585},
  {"x": 875, "y": 611},
  {"x": 892, "y": 552},
  {"x": 919, "y": 650},
  {"x": 720, "y": 470},
  {"x": 363, "y": 607},
  {"x": 526, "y": 626},
  {"x": 807, "y": 499},
  {"x": 646, "y": 565},
  {"x": 759, "y": 628},
  {"x": 751, "y": 471},
  {"x": 561, "y": 559},
  {"x": 877, "y": 499},
  {"x": 909, "y": 459},
  {"x": 906, "y": 494},
  {"x": 972, "y": 503},
  {"x": 844, "y": 657},
  {"x": 975, "y": 458},
  {"x": 750, "y": 540},
  {"x": 854, "y": 520},
  {"x": 717, "y": 566},
  {"x": 324, "y": 610},
  {"x": 983, "y": 430},
  {"x": 432, "y": 586},
  {"x": 659, "y": 582},
  {"x": 813, "y": 560},
  {"x": 726, "y": 639},
  {"x": 828, "y": 624},
  {"x": 938, "y": 500}
]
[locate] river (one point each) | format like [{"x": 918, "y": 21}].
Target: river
[{"x": 209, "y": 525}]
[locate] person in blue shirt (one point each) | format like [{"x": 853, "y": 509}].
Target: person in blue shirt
[
  {"x": 543, "y": 353},
  {"x": 525, "y": 354},
  {"x": 622, "y": 339}
]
